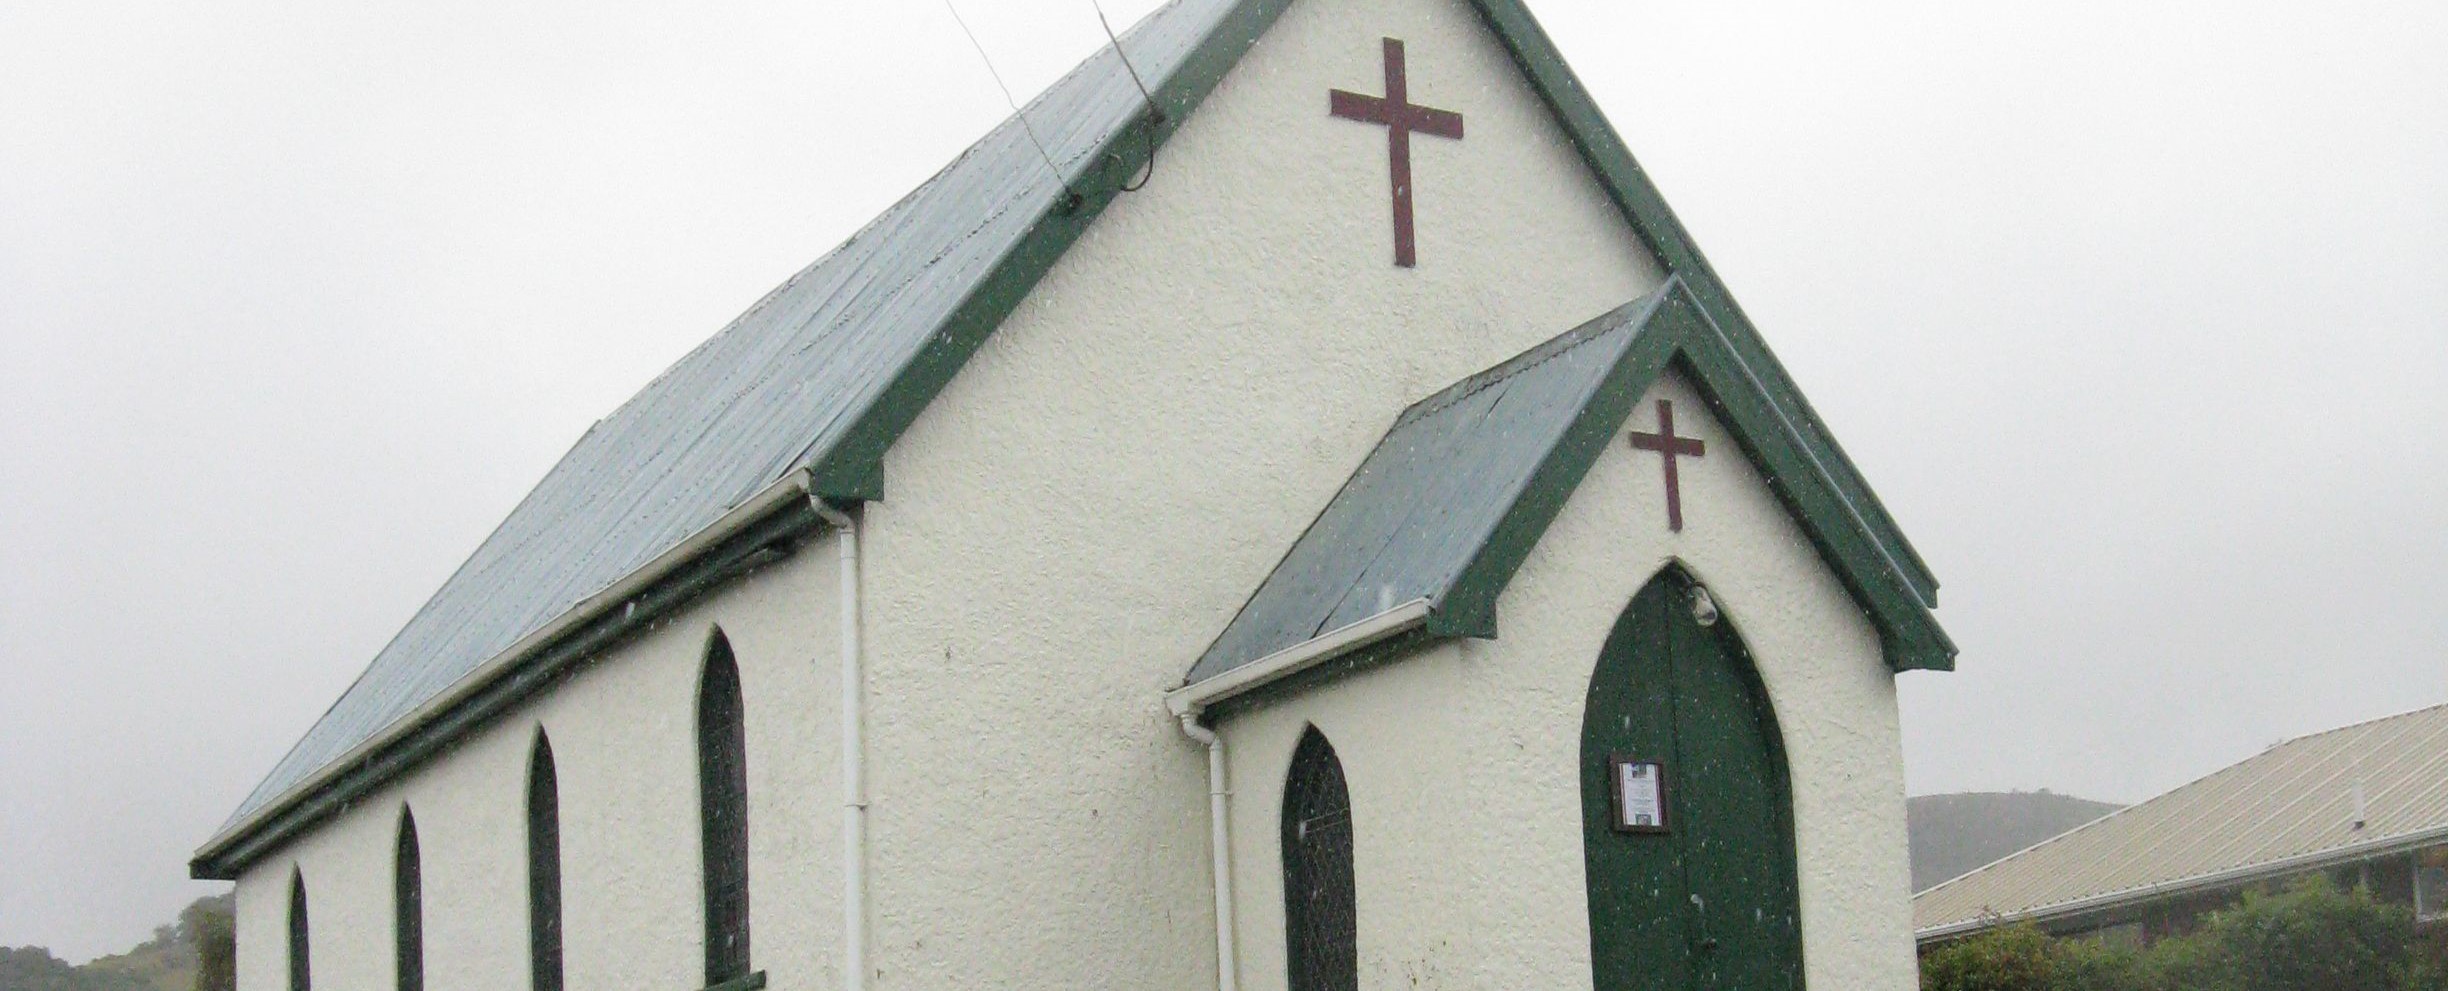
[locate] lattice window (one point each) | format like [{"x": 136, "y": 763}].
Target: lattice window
[
  {"x": 408, "y": 907},
  {"x": 543, "y": 868},
  {"x": 1321, "y": 928},
  {"x": 722, "y": 788},
  {"x": 301, "y": 976},
  {"x": 2431, "y": 883}
]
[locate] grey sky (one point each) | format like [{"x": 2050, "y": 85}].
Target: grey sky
[{"x": 2135, "y": 313}]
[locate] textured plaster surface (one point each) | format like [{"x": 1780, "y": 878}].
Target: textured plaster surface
[
  {"x": 1068, "y": 526},
  {"x": 261, "y": 912},
  {"x": 1463, "y": 760},
  {"x": 624, "y": 748},
  {"x": 1086, "y": 505}
]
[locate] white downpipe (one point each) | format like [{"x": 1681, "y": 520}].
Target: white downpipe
[
  {"x": 1190, "y": 701},
  {"x": 854, "y": 755},
  {"x": 1219, "y": 837}
]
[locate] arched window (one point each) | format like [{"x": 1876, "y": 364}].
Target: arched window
[
  {"x": 1321, "y": 928},
  {"x": 543, "y": 867},
  {"x": 408, "y": 906},
  {"x": 722, "y": 796},
  {"x": 301, "y": 976}
]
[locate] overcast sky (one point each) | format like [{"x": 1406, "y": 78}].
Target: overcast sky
[{"x": 2135, "y": 312}]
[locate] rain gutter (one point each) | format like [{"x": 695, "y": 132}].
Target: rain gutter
[
  {"x": 1193, "y": 699},
  {"x": 752, "y": 534},
  {"x": 1189, "y": 704},
  {"x": 2400, "y": 843}
]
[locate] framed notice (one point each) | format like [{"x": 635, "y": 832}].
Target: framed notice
[{"x": 1640, "y": 794}]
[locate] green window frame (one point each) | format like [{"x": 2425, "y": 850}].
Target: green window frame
[
  {"x": 722, "y": 790},
  {"x": 1321, "y": 920},
  {"x": 301, "y": 970},
  {"x": 408, "y": 906},
  {"x": 543, "y": 867}
]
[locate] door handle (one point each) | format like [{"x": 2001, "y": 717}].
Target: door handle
[{"x": 1708, "y": 942}]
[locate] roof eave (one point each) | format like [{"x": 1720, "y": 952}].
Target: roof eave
[
  {"x": 752, "y": 534},
  {"x": 1605, "y": 152},
  {"x": 1195, "y": 698},
  {"x": 1677, "y": 329},
  {"x": 2245, "y": 874},
  {"x": 1848, "y": 538},
  {"x": 849, "y": 470}
]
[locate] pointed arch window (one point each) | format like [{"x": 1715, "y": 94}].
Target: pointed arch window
[
  {"x": 722, "y": 792},
  {"x": 543, "y": 868},
  {"x": 301, "y": 977},
  {"x": 408, "y": 907},
  {"x": 1321, "y": 926}
]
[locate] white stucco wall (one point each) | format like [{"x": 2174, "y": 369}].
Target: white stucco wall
[
  {"x": 1068, "y": 525},
  {"x": 1463, "y": 761},
  {"x": 1092, "y": 498},
  {"x": 624, "y": 748}
]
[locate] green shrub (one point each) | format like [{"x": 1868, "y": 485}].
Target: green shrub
[
  {"x": 215, "y": 934},
  {"x": 2311, "y": 936},
  {"x": 2090, "y": 965},
  {"x": 2010, "y": 958}
]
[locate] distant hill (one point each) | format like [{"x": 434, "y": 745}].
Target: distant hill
[
  {"x": 167, "y": 962},
  {"x": 1955, "y": 833}
]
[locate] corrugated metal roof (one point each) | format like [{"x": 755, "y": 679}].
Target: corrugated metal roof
[
  {"x": 1433, "y": 493},
  {"x": 772, "y": 393},
  {"x": 2284, "y": 805}
]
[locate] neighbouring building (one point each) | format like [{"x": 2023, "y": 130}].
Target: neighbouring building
[
  {"x": 2366, "y": 805},
  {"x": 1315, "y": 523}
]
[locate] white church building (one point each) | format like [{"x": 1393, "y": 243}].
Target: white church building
[{"x": 1321, "y": 525}]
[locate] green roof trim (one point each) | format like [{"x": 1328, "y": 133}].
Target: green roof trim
[
  {"x": 1468, "y": 606},
  {"x": 1462, "y": 487},
  {"x": 1607, "y": 155},
  {"x": 760, "y": 543},
  {"x": 858, "y": 391},
  {"x": 852, "y": 470},
  {"x": 1747, "y": 386},
  {"x": 843, "y": 466},
  {"x": 1845, "y": 531}
]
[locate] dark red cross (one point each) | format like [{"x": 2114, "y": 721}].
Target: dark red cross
[
  {"x": 1665, "y": 442},
  {"x": 1400, "y": 117}
]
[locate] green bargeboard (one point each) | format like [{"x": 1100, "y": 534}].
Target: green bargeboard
[{"x": 1709, "y": 904}]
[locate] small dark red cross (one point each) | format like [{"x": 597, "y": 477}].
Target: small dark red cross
[
  {"x": 1666, "y": 443},
  {"x": 1400, "y": 117}
]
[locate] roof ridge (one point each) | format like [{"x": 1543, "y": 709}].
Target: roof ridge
[
  {"x": 894, "y": 210},
  {"x": 2239, "y": 766},
  {"x": 2373, "y": 842},
  {"x": 1280, "y": 612},
  {"x": 1611, "y": 321},
  {"x": 2364, "y": 724},
  {"x": 837, "y": 325},
  {"x": 2220, "y": 771}
]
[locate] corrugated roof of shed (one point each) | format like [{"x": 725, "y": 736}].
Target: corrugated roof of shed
[
  {"x": 1429, "y": 497},
  {"x": 770, "y": 394},
  {"x": 2293, "y": 801}
]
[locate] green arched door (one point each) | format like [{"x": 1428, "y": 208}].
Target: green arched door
[{"x": 1703, "y": 901}]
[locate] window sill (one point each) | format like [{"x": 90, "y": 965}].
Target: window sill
[{"x": 751, "y": 981}]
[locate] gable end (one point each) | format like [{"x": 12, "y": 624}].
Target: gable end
[
  {"x": 1455, "y": 496},
  {"x": 842, "y": 459}
]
